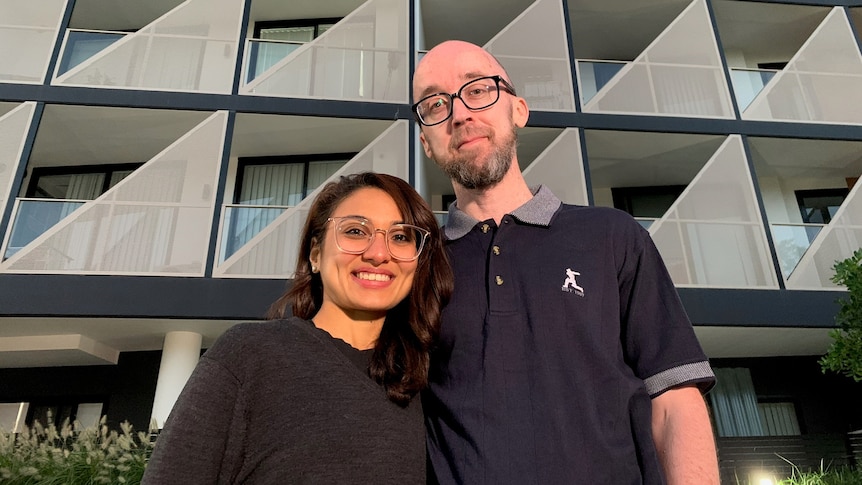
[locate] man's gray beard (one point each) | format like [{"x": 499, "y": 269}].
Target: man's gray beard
[{"x": 472, "y": 175}]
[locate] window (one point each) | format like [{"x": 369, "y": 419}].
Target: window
[
  {"x": 819, "y": 206},
  {"x": 646, "y": 202},
  {"x": 284, "y": 180},
  {"x": 267, "y": 186},
  {"x": 303, "y": 30},
  {"x": 13, "y": 416},
  {"x": 61, "y": 191},
  {"x": 778, "y": 417},
  {"x": 738, "y": 411},
  {"x": 76, "y": 183},
  {"x": 277, "y": 39}
]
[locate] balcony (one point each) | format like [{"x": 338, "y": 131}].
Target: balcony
[
  {"x": 241, "y": 222},
  {"x": 32, "y": 217},
  {"x": 791, "y": 242},
  {"x": 80, "y": 45},
  {"x": 748, "y": 83},
  {"x": 594, "y": 74},
  {"x": 260, "y": 55}
]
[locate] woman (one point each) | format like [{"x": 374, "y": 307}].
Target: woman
[{"x": 331, "y": 394}]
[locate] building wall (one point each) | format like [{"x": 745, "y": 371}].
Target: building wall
[{"x": 740, "y": 103}]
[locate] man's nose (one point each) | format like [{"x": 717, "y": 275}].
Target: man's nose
[{"x": 460, "y": 112}]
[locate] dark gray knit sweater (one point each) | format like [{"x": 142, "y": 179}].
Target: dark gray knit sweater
[{"x": 277, "y": 402}]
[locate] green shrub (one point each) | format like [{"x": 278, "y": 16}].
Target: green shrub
[
  {"x": 73, "y": 455},
  {"x": 845, "y": 354},
  {"x": 824, "y": 476}
]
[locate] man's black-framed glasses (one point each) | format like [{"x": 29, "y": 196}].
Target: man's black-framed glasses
[
  {"x": 476, "y": 94},
  {"x": 355, "y": 234}
]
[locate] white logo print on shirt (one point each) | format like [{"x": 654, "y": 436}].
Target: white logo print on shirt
[{"x": 570, "y": 285}]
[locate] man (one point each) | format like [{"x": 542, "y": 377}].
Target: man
[{"x": 565, "y": 354}]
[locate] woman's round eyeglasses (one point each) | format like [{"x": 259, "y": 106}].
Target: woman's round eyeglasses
[
  {"x": 354, "y": 235},
  {"x": 477, "y": 94}
]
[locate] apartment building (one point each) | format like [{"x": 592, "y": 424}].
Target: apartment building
[{"x": 157, "y": 160}]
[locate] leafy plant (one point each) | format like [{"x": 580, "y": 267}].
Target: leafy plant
[
  {"x": 823, "y": 476},
  {"x": 845, "y": 354},
  {"x": 73, "y": 455}
]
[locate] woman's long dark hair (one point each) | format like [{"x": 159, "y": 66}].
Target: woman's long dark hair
[{"x": 401, "y": 354}]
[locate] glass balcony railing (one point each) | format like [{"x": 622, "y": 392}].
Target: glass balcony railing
[
  {"x": 646, "y": 222},
  {"x": 791, "y": 242},
  {"x": 32, "y": 217},
  {"x": 747, "y": 84},
  {"x": 260, "y": 55},
  {"x": 81, "y": 45},
  {"x": 594, "y": 74},
  {"x": 241, "y": 222}
]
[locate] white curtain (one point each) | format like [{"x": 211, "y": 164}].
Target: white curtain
[
  {"x": 319, "y": 172},
  {"x": 734, "y": 403},
  {"x": 272, "y": 184},
  {"x": 85, "y": 186},
  {"x": 779, "y": 418}
]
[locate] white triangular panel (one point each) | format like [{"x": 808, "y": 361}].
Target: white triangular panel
[
  {"x": 363, "y": 57},
  {"x": 836, "y": 242},
  {"x": 534, "y": 50},
  {"x": 14, "y": 126},
  {"x": 191, "y": 48},
  {"x": 713, "y": 234},
  {"x": 679, "y": 74},
  {"x": 272, "y": 252},
  {"x": 156, "y": 221},
  {"x": 560, "y": 167},
  {"x": 821, "y": 83},
  {"x": 28, "y": 32}
]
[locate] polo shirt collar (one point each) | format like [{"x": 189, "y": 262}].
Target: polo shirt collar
[{"x": 537, "y": 211}]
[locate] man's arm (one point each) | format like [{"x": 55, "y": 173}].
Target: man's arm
[{"x": 683, "y": 437}]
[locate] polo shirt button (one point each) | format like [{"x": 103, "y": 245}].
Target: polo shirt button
[
  {"x": 499, "y": 280},
  {"x": 496, "y": 250},
  {"x": 485, "y": 228}
]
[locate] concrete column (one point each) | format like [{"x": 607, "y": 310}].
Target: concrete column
[{"x": 179, "y": 357}]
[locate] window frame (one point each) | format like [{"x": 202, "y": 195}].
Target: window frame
[
  {"x": 106, "y": 169},
  {"x": 312, "y": 22},
  {"x": 306, "y": 160},
  {"x": 800, "y": 195},
  {"x": 622, "y": 196}
]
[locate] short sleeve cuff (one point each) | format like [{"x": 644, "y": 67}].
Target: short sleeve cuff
[{"x": 699, "y": 373}]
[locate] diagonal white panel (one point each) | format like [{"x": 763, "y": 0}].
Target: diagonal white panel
[
  {"x": 713, "y": 234},
  {"x": 560, "y": 167},
  {"x": 835, "y": 242},
  {"x": 272, "y": 252},
  {"x": 363, "y": 57},
  {"x": 191, "y": 48},
  {"x": 679, "y": 74},
  {"x": 13, "y": 131},
  {"x": 28, "y": 31},
  {"x": 156, "y": 221},
  {"x": 820, "y": 83},
  {"x": 534, "y": 50}
]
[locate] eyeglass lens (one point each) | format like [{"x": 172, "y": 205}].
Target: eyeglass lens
[
  {"x": 477, "y": 94},
  {"x": 355, "y": 236}
]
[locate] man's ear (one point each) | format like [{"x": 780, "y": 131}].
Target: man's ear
[
  {"x": 520, "y": 112},
  {"x": 425, "y": 144}
]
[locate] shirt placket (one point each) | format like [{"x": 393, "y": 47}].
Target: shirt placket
[{"x": 502, "y": 297}]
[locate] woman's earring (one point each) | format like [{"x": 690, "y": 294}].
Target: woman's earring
[{"x": 313, "y": 268}]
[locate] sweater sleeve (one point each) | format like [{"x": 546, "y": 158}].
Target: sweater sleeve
[{"x": 202, "y": 439}]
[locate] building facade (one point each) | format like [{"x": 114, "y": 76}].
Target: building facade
[{"x": 157, "y": 160}]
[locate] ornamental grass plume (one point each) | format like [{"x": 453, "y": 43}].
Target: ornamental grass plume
[{"x": 73, "y": 455}]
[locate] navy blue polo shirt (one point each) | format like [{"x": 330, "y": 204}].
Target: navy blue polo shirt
[{"x": 563, "y": 325}]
